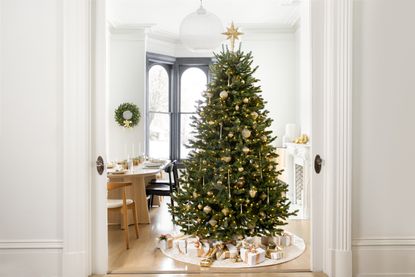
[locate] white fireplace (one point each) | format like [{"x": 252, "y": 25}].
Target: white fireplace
[{"x": 298, "y": 173}]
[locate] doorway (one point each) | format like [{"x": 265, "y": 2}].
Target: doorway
[
  {"x": 282, "y": 54},
  {"x": 317, "y": 258}
]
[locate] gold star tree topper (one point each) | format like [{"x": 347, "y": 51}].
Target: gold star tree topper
[{"x": 232, "y": 34}]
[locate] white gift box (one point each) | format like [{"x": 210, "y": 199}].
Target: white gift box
[
  {"x": 181, "y": 244},
  {"x": 253, "y": 257},
  {"x": 285, "y": 240},
  {"x": 233, "y": 251},
  {"x": 196, "y": 249},
  {"x": 165, "y": 244},
  {"x": 276, "y": 255}
]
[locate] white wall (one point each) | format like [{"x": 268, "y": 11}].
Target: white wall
[
  {"x": 383, "y": 131},
  {"x": 30, "y": 138},
  {"x": 126, "y": 84},
  {"x": 275, "y": 54}
]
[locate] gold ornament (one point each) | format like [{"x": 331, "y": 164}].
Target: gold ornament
[
  {"x": 213, "y": 222},
  {"x": 211, "y": 122},
  {"x": 254, "y": 115},
  {"x": 225, "y": 211},
  {"x": 207, "y": 209},
  {"x": 210, "y": 193},
  {"x": 219, "y": 182},
  {"x": 226, "y": 159},
  {"x": 240, "y": 169},
  {"x": 303, "y": 139},
  {"x": 246, "y": 133},
  {"x": 230, "y": 134},
  {"x": 252, "y": 192},
  {"x": 264, "y": 138},
  {"x": 245, "y": 150},
  {"x": 223, "y": 95},
  {"x": 200, "y": 206},
  {"x": 237, "y": 107},
  {"x": 246, "y": 100},
  {"x": 195, "y": 194},
  {"x": 263, "y": 196},
  {"x": 232, "y": 34}
]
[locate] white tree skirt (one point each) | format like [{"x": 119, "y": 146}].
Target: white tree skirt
[{"x": 290, "y": 253}]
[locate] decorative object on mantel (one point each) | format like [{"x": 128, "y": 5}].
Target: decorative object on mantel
[
  {"x": 303, "y": 139},
  {"x": 200, "y": 30},
  {"x": 127, "y": 115},
  {"x": 292, "y": 131}
]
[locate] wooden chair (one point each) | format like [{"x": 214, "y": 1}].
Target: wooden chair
[{"x": 123, "y": 205}]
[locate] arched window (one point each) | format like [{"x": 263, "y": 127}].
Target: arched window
[
  {"x": 158, "y": 112},
  {"x": 174, "y": 85},
  {"x": 192, "y": 84}
]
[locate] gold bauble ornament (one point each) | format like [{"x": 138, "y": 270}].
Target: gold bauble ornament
[
  {"x": 188, "y": 207},
  {"x": 225, "y": 211},
  {"x": 209, "y": 193},
  {"x": 211, "y": 122},
  {"x": 246, "y": 133},
  {"x": 245, "y": 150},
  {"x": 207, "y": 209},
  {"x": 213, "y": 222},
  {"x": 195, "y": 194},
  {"x": 219, "y": 182},
  {"x": 223, "y": 95},
  {"x": 246, "y": 100},
  {"x": 240, "y": 169},
  {"x": 263, "y": 196},
  {"x": 200, "y": 206},
  {"x": 237, "y": 107},
  {"x": 226, "y": 159},
  {"x": 230, "y": 134},
  {"x": 270, "y": 167},
  {"x": 252, "y": 192},
  {"x": 264, "y": 138},
  {"x": 254, "y": 115}
]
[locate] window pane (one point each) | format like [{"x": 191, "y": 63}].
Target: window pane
[
  {"x": 158, "y": 88},
  {"x": 192, "y": 84},
  {"x": 186, "y": 133},
  {"x": 159, "y": 135}
]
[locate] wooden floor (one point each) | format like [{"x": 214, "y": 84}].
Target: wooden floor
[
  {"x": 143, "y": 257},
  {"x": 201, "y": 274}
]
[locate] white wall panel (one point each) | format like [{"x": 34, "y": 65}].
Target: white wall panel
[{"x": 383, "y": 101}]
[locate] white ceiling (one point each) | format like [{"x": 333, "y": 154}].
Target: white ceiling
[{"x": 166, "y": 15}]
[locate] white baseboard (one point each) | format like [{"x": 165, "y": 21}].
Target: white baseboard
[
  {"x": 384, "y": 257},
  {"x": 30, "y": 244}
]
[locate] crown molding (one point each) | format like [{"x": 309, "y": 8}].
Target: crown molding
[{"x": 122, "y": 28}]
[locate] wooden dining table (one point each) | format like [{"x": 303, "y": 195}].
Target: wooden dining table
[{"x": 139, "y": 176}]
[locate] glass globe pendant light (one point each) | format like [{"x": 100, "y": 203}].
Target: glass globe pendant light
[{"x": 201, "y": 30}]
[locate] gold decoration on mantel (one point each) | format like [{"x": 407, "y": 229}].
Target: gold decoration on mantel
[{"x": 233, "y": 34}]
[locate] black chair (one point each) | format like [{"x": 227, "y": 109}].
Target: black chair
[
  {"x": 167, "y": 181},
  {"x": 164, "y": 188}
]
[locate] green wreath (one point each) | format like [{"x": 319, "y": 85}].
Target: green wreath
[{"x": 127, "y": 115}]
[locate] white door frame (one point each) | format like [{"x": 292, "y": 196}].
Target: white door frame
[{"x": 84, "y": 76}]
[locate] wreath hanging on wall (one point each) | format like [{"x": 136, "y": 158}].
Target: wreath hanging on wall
[{"x": 127, "y": 115}]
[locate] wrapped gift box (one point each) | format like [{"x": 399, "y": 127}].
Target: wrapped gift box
[
  {"x": 253, "y": 256},
  {"x": 166, "y": 243},
  {"x": 233, "y": 251},
  {"x": 276, "y": 254},
  {"x": 196, "y": 249},
  {"x": 181, "y": 244},
  {"x": 285, "y": 239}
]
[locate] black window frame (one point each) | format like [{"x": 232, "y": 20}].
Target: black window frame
[{"x": 175, "y": 67}]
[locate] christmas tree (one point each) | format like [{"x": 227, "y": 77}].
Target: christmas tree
[{"x": 230, "y": 189}]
